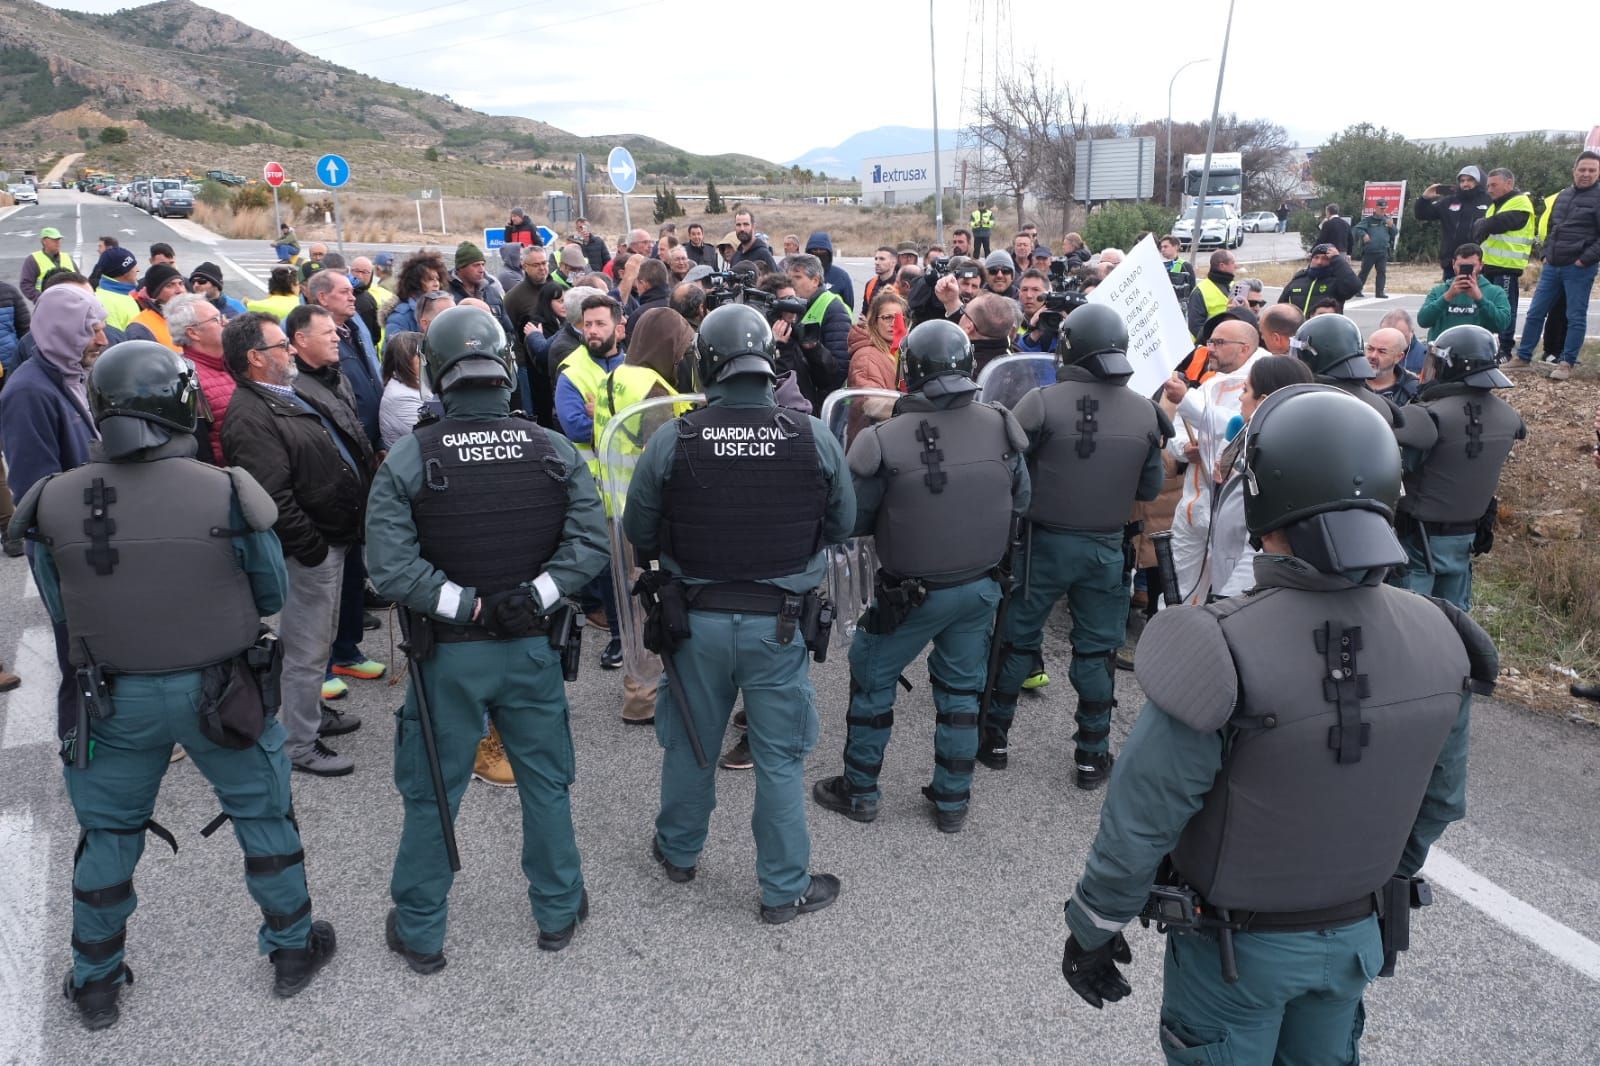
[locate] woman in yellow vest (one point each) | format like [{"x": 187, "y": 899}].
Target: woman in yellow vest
[
  {"x": 283, "y": 293},
  {"x": 656, "y": 342}
]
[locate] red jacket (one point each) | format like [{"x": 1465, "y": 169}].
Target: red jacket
[{"x": 216, "y": 389}]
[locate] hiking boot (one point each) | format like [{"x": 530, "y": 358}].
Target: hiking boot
[
  {"x": 491, "y": 766},
  {"x": 737, "y": 757},
  {"x": 993, "y": 749},
  {"x": 419, "y": 963},
  {"x": 334, "y": 688},
  {"x": 323, "y": 761},
  {"x": 1035, "y": 681},
  {"x": 1093, "y": 768},
  {"x": 833, "y": 793},
  {"x": 1590, "y": 691},
  {"x": 678, "y": 875},
  {"x": 97, "y": 1000},
  {"x": 947, "y": 821},
  {"x": 611, "y": 658},
  {"x": 820, "y": 893},
  {"x": 336, "y": 723},
  {"x": 1562, "y": 372},
  {"x": 366, "y": 670},
  {"x": 562, "y": 937},
  {"x": 8, "y": 680},
  {"x": 293, "y": 968},
  {"x": 369, "y": 621}
]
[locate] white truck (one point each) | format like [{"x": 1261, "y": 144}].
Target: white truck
[{"x": 1224, "y": 186}]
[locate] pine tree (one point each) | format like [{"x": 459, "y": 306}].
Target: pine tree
[
  {"x": 663, "y": 210},
  {"x": 714, "y": 204}
]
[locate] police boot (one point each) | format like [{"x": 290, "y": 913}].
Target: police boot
[
  {"x": 419, "y": 963},
  {"x": 993, "y": 749},
  {"x": 946, "y": 821},
  {"x": 562, "y": 937},
  {"x": 820, "y": 893},
  {"x": 293, "y": 968},
  {"x": 1093, "y": 768},
  {"x": 836, "y": 795},
  {"x": 97, "y": 1000}
]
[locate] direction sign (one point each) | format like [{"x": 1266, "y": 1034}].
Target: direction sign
[
  {"x": 272, "y": 173},
  {"x": 333, "y": 171},
  {"x": 624, "y": 175}
]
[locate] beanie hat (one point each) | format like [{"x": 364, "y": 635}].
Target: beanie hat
[
  {"x": 115, "y": 262},
  {"x": 467, "y": 253},
  {"x": 999, "y": 259},
  {"x": 157, "y": 277},
  {"x": 207, "y": 272}
]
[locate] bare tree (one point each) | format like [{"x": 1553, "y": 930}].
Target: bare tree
[{"x": 1013, "y": 130}]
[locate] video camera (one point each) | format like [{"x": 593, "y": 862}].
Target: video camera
[
  {"x": 726, "y": 287},
  {"x": 772, "y": 307},
  {"x": 1065, "y": 296},
  {"x": 938, "y": 268}
]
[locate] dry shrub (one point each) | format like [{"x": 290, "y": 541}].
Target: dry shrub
[{"x": 250, "y": 224}]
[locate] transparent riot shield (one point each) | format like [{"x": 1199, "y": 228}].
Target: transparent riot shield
[
  {"x": 621, "y": 444},
  {"x": 1009, "y": 378},
  {"x": 853, "y": 564}
]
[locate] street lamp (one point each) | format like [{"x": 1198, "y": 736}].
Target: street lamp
[{"x": 1166, "y": 197}]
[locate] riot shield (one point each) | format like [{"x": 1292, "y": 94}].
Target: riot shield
[
  {"x": 853, "y": 565},
  {"x": 621, "y": 444},
  {"x": 1009, "y": 378}
]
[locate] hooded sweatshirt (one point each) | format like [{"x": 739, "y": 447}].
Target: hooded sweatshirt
[
  {"x": 63, "y": 325},
  {"x": 510, "y": 274},
  {"x": 820, "y": 244}
]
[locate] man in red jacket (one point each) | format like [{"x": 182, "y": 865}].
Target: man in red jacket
[{"x": 196, "y": 327}]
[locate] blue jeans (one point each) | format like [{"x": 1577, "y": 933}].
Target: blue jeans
[{"x": 1576, "y": 282}]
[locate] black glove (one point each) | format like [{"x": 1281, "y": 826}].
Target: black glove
[
  {"x": 513, "y": 613},
  {"x": 1093, "y": 974}
]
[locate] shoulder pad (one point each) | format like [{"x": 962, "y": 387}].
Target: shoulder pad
[
  {"x": 1029, "y": 411},
  {"x": 866, "y": 453},
  {"x": 259, "y": 510},
  {"x": 1483, "y": 656},
  {"x": 1416, "y": 428},
  {"x": 27, "y": 508},
  {"x": 1164, "y": 424},
  {"x": 1014, "y": 434},
  {"x": 1185, "y": 668}
]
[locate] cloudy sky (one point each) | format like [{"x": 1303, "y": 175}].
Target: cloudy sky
[{"x": 778, "y": 80}]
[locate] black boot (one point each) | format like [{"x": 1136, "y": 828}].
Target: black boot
[
  {"x": 820, "y": 893},
  {"x": 419, "y": 963},
  {"x": 97, "y": 1000},
  {"x": 1093, "y": 769},
  {"x": 293, "y": 968},
  {"x": 834, "y": 794},
  {"x": 993, "y": 750},
  {"x": 946, "y": 821},
  {"x": 562, "y": 937},
  {"x": 1589, "y": 691}
]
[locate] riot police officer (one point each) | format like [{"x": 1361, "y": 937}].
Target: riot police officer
[
  {"x": 160, "y": 663},
  {"x": 480, "y": 524},
  {"x": 738, "y": 500},
  {"x": 1338, "y": 706},
  {"x": 939, "y": 485},
  {"x": 1332, "y": 346},
  {"x": 1094, "y": 447},
  {"x": 1450, "y": 487}
]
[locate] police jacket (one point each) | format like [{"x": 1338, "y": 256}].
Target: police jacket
[
  {"x": 1456, "y": 214},
  {"x": 1574, "y": 235},
  {"x": 1337, "y": 280}
]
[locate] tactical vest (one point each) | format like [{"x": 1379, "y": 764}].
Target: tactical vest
[
  {"x": 493, "y": 501},
  {"x": 1321, "y": 781},
  {"x": 149, "y": 578},
  {"x": 1510, "y": 251},
  {"x": 746, "y": 497},
  {"x": 946, "y": 510},
  {"x": 1097, "y": 436},
  {"x": 1476, "y": 432}
]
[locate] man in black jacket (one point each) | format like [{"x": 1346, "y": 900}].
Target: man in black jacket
[
  {"x": 1334, "y": 230},
  {"x": 1457, "y": 213},
  {"x": 1571, "y": 255},
  {"x": 594, "y": 248},
  {"x": 314, "y": 463},
  {"x": 1328, "y": 276}
]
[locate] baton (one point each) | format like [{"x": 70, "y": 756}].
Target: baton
[{"x": 430, "y": 746}]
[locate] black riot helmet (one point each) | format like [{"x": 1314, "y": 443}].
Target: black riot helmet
[
  {"x": 735, "y": 339},
  {"x": 466, "y": 346},
  {"x": 1332, "y": 347},
  {"x": 1323, "y": 466},
  {"x": 1465, "y": 354},
  {"x": 1096, "y": 338},
  {"x": 936, "y": 349},
  {"x": 140, "y": 393}
]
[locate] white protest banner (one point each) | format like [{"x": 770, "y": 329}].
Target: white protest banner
[{"x": 1158, "y": 337}]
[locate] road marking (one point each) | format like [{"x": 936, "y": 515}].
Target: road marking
[
  {"x": 22, "y": 936},
  {"x": 242, "y": 272},
  {"x": 1472, "y": 888},
  {"x": 31, "y": 709},
  {"x": 77, "y": 249}
]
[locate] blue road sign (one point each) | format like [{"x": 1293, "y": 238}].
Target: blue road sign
[
  {"x": 494, "y": 238},
  {"x": 333, "y": 171},
  {"x": 546, "y": 234},
  {"x": 619, "y": 164}
]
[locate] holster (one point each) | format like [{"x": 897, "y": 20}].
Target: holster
[
  {"x": 1483, "y": 535},
  {"x": 94, "y": 701},
  {"x": 1395, "y": 900},
  {"x": 566, "y": 636},
  {"x": 893, "y": 601},
  {"x": 421, "y": 641},
  {"x": 265, "y": 659},
  {"x": 666, "y": 623},
  {"x": 232, "y": 711},
  {"x": 816, "y": 625}
]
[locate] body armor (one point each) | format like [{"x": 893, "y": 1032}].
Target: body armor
[
  {"x": 1476, "y": 432},
  {"x": 493, "y": 501},
  {"x": 1095, "y": 439}
]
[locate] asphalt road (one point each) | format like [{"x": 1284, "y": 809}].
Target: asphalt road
[{"x": 940, "y": 948}]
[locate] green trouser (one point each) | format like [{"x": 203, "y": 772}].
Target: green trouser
[
  {"x": 958, "y": 621},
  {"x": 1451, "y": 578},
  {"x": 727, "y": 655},
  {"x": 519, "y": 684},
  {"x": 1297, "y": 1001},
  {"x": 1086, "y": 568},
  {"x": 115, "y": 796}
]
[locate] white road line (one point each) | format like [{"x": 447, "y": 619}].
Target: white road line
[
  {"x": 22, "y": 937},
  {"x": 242, "y": 272},
  {"x": 77, "y": 248},
  {"x": 30, "y": 716},
  {"x": 1472, "y": 888}
]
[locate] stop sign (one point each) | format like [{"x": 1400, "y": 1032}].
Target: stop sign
[{"x": 273, "y": 173}]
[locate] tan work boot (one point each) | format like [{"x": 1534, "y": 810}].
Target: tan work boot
[
  {"x": 8, "y": 680},
  {"x": 492, "y": 767}
]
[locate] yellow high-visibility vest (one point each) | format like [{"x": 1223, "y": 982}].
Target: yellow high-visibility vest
[{"x": 1510, "y": 251}]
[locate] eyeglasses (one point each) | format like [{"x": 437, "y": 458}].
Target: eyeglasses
[
  {"x": 887, "y": 318},
  {"x": 209, "y": 321},
  {"x": 1002, "y": 270},
  {"x": 1217, "y": 342},
  {"x": 1257, "y": 303},
  {"x": 284, "y": 344}
]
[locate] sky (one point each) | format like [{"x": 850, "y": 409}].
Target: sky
[{"x": 776, "y": 81}]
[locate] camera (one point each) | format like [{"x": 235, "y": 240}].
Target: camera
[
  {"x": 726, "y": 287},
  {"x": 1057, "y": 306},
  {"x": 772, "y": 307},
  {"x": 938, "y": 268}
]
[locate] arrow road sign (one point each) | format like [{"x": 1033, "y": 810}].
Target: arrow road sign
[
  {"x": 619, "y": 164},
  {"x": 333, "y": 171}
]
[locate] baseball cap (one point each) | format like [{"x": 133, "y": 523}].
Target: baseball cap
[
  {"x": 51, "y": 233},
  {"x": 907, "y": 248},
  {"x": 1324, "y": 249},
  {"x": 383, "y": 260},
  {"x": 697, "y": 272},
  {"x": 1238, "y": 314}
]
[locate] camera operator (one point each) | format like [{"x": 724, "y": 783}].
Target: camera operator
[
  {"x": 815, "y": 369},
  {"x": 945, "y": 289}
]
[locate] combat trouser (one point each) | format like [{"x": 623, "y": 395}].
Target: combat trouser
[{"x": 1442, "y": 568}]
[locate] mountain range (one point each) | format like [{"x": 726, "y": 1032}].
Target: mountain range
[{"x": 843, "y": 160}]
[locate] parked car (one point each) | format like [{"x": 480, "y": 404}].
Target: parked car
[
  {"x": 225, "y": 177},
  {"x": 1220, "y": 227},
  {"x": 1260, "y": 222},
  {"x": 23, "y": 193},
  {"x": 175, "y": 201}
]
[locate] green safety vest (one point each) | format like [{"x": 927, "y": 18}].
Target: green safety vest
[
  {"x": 982, "y": 219},
  {"x": 45, "y": 265},
  {"x": 278, "y": 306},
  {"x": 120, "y": 308},
  {"x": 624, "y": 387},
  {"x": 1177, "y": 266},
  {"x": 1216, "y": 300},
  {"x": 590, "y": 378},
  {"x": 1510, "y": 251},
  {"x": 819, "y": 307}
]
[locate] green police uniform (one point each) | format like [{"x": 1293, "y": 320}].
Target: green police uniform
[{"x": 478, "y": 504}]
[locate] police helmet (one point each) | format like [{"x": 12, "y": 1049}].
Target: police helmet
[
  {"x": 1332, "y": 347},
  {"x": 140, "y": 393},
  {"x": 735, "y": 339},
  {"x": 1096, "y": 338},
  {"x": 1466, "y": 354},
  {"x": 1335, "y": 503},
  {"x": 466, "y": 346},
  {"x": 936, "y": 349}
]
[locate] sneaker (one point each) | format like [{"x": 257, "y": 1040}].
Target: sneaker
[
  {"x": 562, "y": 937},
  {"x": 419, "y": 963},
  {"x": 833, "y": 793},
  {"x": 369, "y": 621},
  {"x": 1518, "y": 363},
  {"x": 323, "y": 761},
  {"x": 738, "y": 756},
  {"x": 8, "y": 681},
  {"x": 336, "y": 723},
  {"x": 1093, "y": 769},
  {"x": 993, "y": 749},
  {"x": 946, "y": 821},
  {"x": 366, "y": 670},
  {"x": 611, "y": 658},
  {"x": 678, "y": 875},
  {"x": 741, "y": 721},
  {"x": 293, "y": 968},
  {"x": 1562, "y": 372},
  {"x": 491, "y": 766},
  {"x": 97, "y": 1000},
  {"x": 1124, "y": 658},
  {"x": 334, "y": 689},
  {"x": 820, "y": 893},
  {"x": 1035, "y": 681}
]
